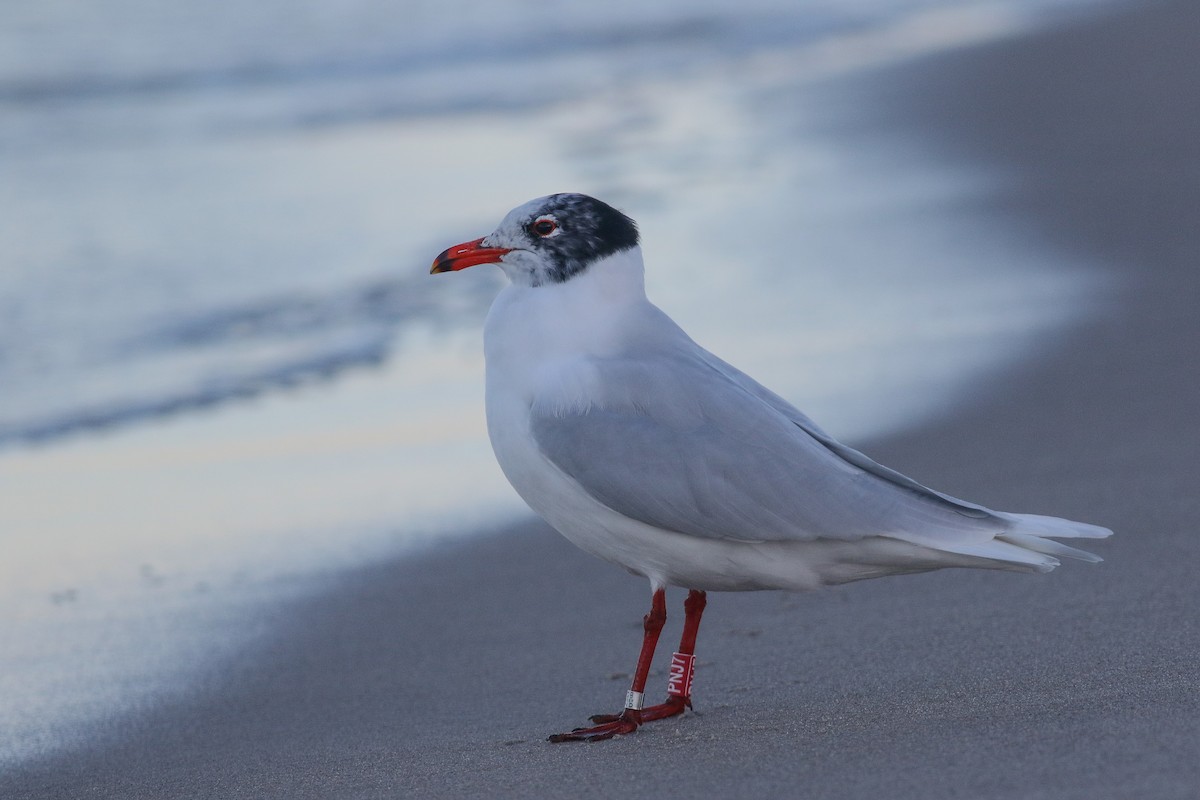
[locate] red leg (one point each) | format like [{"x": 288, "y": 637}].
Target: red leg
[
  {"x": 628, "y": 720},
  {"x": 679, "y": 683}
]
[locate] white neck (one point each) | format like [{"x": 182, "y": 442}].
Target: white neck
[
  {"x": 619, "y": 278},
  {"x": 586, "y": 314}
]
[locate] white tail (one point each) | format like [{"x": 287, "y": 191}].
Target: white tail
[{"x": 1029, "y": 544}]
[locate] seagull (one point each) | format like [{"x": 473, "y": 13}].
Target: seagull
[{"x": 648, "y": 451}]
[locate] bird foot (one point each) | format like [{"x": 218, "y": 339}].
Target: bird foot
[
  {"x": 610, "y": 725},
  {"x": 616, "y": 725},
  {"x": 674, "y": 705}
]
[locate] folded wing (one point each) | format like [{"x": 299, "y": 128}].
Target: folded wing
[{"x": 684, "y": 442}]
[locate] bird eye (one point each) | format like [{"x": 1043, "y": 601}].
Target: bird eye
[{"x": 544, "y": 227}]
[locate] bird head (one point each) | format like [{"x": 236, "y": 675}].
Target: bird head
[{"x": 547, "y": 240}]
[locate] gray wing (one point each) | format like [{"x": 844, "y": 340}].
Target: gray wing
[
  {"x": 848, "y": 454},
  {"x": 682, "y": 441}
]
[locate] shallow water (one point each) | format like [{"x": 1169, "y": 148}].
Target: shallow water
[
  {"x": 225, "y": 374},
  {"x": 201, "y": 204}
]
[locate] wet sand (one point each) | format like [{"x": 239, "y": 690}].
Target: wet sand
[{"x": 439, "y": 675}]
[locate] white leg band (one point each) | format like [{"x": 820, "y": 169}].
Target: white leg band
[{"x": 634, "y": 700}]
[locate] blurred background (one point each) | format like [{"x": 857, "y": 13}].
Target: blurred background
[{"x": 226, "y": 376}]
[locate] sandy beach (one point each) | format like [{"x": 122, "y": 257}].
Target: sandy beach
[{"x": 441, "y": 674}]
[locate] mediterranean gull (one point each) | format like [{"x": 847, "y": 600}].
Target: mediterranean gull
[{"x": 646, "y": 450}]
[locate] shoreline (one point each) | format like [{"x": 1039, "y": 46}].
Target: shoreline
[{"x": 440, "y": 673}]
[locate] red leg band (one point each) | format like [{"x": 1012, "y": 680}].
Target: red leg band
[{"x": 679, "y": 683}]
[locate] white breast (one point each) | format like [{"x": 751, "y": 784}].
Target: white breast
[{"x": 539, "y": 344}]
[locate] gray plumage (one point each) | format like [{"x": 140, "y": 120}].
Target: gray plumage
[{"x": 678, "y": 439}]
